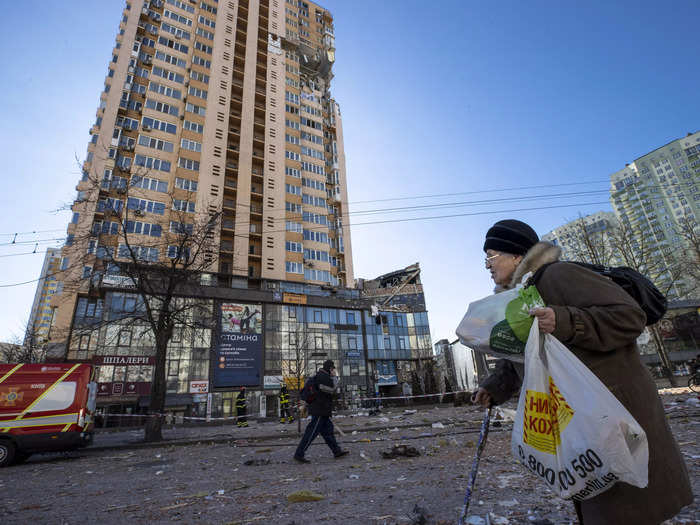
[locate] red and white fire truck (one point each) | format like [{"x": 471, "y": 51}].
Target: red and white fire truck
[{"x": 45, "y": 407}]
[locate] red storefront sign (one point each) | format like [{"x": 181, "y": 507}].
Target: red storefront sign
[{"x": 124, "y": 360}]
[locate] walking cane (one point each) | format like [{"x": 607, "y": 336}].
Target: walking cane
[{"x": 475, "y": 464}]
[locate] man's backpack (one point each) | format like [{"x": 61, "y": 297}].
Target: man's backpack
[
  {"x": 642, "y": 290},
  {"x": 308, "y": 393}
]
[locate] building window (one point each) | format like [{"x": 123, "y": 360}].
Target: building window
[
  {"x": 124, "y": 338},
  {"x": 84, "y": 342},
  {"x": 350, "y": 317}
]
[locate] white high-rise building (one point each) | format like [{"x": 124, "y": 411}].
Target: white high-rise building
[{"x": 657, "y": 197}]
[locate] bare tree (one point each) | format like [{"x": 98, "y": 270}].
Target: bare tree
[
  {"x": 590, "y": 245},
  {"x": 622, "y": 245},
  {"x": 160, "y": 253},
  {"x": 688, "y": 230},
  {"x": 31, "y": 348},
  {"x": 295, "y": 364}
]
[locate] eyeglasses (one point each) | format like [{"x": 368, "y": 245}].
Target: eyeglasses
[{"x": 490, "y": 258}]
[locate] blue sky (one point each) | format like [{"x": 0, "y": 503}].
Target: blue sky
[{"x": 441, "y": 97}]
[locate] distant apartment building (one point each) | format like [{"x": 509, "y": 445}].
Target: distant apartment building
[
  {"x": 587, "y": 239},
  {"x": 41, "y": 316},
  {"x": 656, "y": 196},
  {"x": 213, "y": 109}
]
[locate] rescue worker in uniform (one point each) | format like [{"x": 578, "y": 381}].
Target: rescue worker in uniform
[
  {"x": 241, "y": 408},
  {"x": 285, "y": 411}
]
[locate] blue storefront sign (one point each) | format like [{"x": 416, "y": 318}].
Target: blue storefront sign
[{"x": 239, "y": 349}]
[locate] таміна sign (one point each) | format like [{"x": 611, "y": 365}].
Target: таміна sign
[{"x": 239, "y": 352}]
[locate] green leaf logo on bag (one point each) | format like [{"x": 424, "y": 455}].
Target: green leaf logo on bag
[{"x": 510, "y": 334}]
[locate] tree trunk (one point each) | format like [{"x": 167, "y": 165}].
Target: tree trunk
[
  {"x": 661, "y": 350},
  {"x": 154, "y": 423}
]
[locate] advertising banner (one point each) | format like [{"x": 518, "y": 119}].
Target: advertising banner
[
  {"x": 199, "y": 387},
  {"x": 239, "y": 352}
]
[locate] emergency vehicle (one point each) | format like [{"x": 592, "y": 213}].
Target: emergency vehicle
[{"x": 45, "y": 407}]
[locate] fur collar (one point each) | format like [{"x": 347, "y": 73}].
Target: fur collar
[{"x": 540, "y": 254}]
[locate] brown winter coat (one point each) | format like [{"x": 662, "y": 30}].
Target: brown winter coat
[{"x": 599, "y": 322}]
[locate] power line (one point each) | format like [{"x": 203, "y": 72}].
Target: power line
[
  {"x": 392, "y": 210},
  {"x": 31, "y": 233},
  {"x": 515, "y": 188},
  {"x": 393, "y": 221}
]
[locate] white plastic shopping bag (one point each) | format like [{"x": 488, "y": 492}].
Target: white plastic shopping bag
[
  {"x": 569, "y": 429},
  {"x": 500, "y": 324}
]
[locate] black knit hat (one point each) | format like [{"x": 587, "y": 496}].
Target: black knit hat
[
  {"x": 510, "y": 236},
  {"x": 328, "y": 365}
]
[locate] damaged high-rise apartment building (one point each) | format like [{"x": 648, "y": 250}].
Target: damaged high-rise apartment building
[{"x": 219, "y": 115}]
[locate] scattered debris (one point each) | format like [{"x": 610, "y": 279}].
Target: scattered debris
[
  {"x": 498, "y": 520},
  {"x": 475, "y": 520},
  {"x": 304, "y": 495},
  {"x": 410, "y": 411},
  {"x": 505, "y": 479},
  {"x": 418, "y": 516},
  {"x": 257, "y": 462},
  {"x": 177, "y": 505},
  {"x": 400, "y": 450},
  {"x": 508, "y": 502},
  {"x": 353, "y": 476},
  {"x": 438, "y": 425}
]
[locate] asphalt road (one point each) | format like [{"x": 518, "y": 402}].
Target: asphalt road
[{"x": 231, "y": 476}]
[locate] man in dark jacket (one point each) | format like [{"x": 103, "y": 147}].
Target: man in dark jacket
[
  {"x": 321, "y": 409},
  {"x": 242, "y": 408}
]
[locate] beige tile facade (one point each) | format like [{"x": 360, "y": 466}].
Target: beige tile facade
[{"x": 233, "y": 96}]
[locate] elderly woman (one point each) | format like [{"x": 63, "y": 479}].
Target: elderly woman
[{"x": 599, "y": 322}]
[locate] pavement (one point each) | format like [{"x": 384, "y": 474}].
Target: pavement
[{"x": 261, "y": 429}]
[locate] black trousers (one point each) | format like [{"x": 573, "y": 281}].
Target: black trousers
[{"x": 318, "y": 425}]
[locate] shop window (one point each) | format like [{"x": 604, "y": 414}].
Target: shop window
[{"x": 124, "y": 338}]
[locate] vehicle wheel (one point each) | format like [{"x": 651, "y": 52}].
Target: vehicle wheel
[
  {"x": 694, "y": 383},
  {"x": 7, "y": 453}
]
